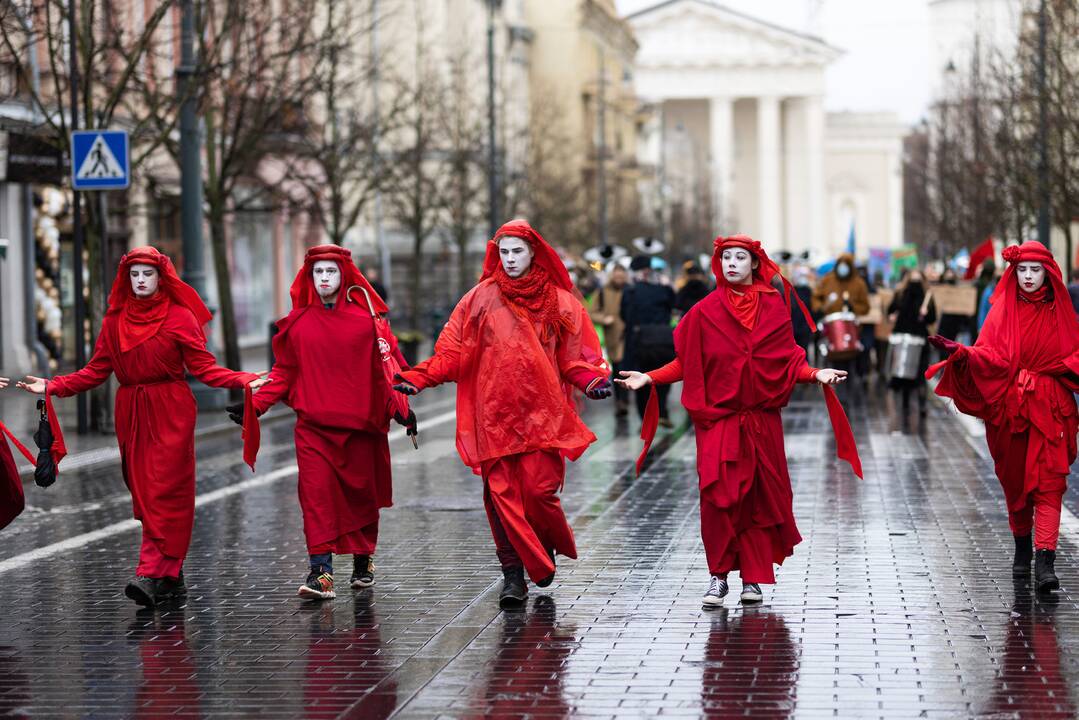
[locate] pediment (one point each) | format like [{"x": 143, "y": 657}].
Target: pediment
[{"x": 698, "y": 33}]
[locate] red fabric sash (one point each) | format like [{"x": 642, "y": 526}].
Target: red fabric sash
[
  {"x": 18, "y": 445},
  {"x": 252, "y": 434},
  {"x": 58, "y": 450}
]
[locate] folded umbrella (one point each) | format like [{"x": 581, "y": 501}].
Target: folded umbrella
[{"x": 44, "y": 466}]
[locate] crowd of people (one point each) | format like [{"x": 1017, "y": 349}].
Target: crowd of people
[{"x": 523, "y": 343}]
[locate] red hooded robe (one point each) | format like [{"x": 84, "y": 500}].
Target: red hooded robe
[
  {"x": 149, "y": 343},
  {"x": 740, "y": 363},
  {"x": 1019, "y": 377},
  {"x": 515, "y": 370},
  {"x": 328, "y": 368}
]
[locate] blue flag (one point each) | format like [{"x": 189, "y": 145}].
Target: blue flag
[{"x": 850, "y": 240}]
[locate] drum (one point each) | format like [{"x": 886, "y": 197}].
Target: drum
[
  {"x": 840, "y": 330},
  {"x": 905, "y": 356}
]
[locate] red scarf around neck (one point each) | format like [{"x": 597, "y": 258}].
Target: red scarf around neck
[
  {"x": 141, "y": 318},
  {"x": 532, "y": 296}
]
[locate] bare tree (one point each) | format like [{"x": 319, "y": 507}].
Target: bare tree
[{"x": 253, "y": 60}]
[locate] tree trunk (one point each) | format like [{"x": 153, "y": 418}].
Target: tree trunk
[
  {"x": 464, "y": 282},
  {"x": 415, "y": 284},
  {"x": 225, "y": 311}
]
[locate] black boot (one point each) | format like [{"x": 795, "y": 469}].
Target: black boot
[
  {"x": 1045, "y": 577},
  {"x": 514, "y": 591},
  {"x": 143, "y": 590},
  {"x": 1024, "y": 553}
]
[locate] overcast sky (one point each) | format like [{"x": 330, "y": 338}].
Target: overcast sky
[{"x": 886, "y": 45}]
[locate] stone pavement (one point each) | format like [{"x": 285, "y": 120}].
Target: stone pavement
[{"x": 899, "y": 603}]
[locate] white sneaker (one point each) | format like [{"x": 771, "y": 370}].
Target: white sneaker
[
  {"x": 751, "y": 593},
  {"x": 717, "y": 590}
]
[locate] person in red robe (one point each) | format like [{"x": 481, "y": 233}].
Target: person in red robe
[
  {"x": 737, "y": 355},
  {"x": 151, "y": 335},
  {"x": 328, "y": 368},
  {"x": 12, "y": 500},
  {"x": 516, "y": 345},
  {"x": 1020, "y": 378}
]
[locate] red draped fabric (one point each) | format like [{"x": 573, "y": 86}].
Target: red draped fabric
[
  {"x": 155, "y": 410},
  {"x": 328, "y": 369},
  {"x": 736, "y": 381},
  {"x": 1019, "y": 377},
  {"x": 12, "y": 500}
]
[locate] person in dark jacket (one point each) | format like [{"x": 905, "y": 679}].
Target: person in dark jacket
[
  {"x": 912, "y": 311},
  {"x": 646, "y": 312},
  {"x": 695, "y": 288}
]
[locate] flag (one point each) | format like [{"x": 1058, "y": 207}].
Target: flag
[
  {"x": 983, "y": 252},
  {"x": 850, "y": 240}
]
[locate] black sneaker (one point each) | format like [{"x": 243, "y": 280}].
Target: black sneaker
[
  {"x": 751, "y": 593},
  {"x": 363, "y": 572},
  {"x": 545, "y": 582},
  {"x": 514, "y": 591},
  {"x": 143, "y": 590},
  {"x": 319, "y": 586}
]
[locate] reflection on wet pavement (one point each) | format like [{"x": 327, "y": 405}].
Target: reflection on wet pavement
[{"x": 900, "y": 602}]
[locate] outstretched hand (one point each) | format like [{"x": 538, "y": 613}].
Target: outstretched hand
[
  {"x": 599, "y": 390},
  {"x": 944, "y": 344},
  {"x": 264, "y": 377},
  {"x": 633, "y": 380},
  {"x": 33, "y": 385},
  {"x": 828, "y": 376},
  {"x": 3, "y": 382}
]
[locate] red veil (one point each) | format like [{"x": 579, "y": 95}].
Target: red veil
[{"x": 545, "y": 255}]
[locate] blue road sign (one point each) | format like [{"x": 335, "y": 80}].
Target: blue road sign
[{"x": 101, "y": 160}]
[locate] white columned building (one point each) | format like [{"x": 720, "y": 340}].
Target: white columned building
[{"x": 750, "y": 93}]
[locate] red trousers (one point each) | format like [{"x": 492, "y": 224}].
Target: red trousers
[
  {"x": 1040, "y": 509},
  {"x": 1041, "y": 515},
  {"x": 520, "y": 494},
  {"x": 357, "y": 542},
  {"x": 154, "y": 563}
]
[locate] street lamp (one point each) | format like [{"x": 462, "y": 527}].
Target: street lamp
[{"x": 494, "y": 211}]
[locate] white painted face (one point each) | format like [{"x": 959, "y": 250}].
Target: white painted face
[
  {"x": 327, "y": 277},
  {"x": 516, "y": 256},
  {"x": 1031, "y": 275},
  {"x": 738, "y": 266},
  {"x": 144, "y": 280}
]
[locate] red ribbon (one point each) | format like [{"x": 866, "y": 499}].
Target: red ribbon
[
  {"x": 649, "y": 424},
  {"x": 58, "y": 450},
  {"x": 845, "y": 447},
  {"x": 18, "y": 445},
  {"x": 252, "y": 434}
]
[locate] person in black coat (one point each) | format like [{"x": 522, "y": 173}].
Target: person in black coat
[
  {"x": 646, "y": 311},
  {"x": 695, "y": 289},
  {"x": 912, "y": 311}
]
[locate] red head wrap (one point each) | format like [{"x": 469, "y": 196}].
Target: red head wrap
[
  {"x": 140, "y": 318},
  {"x": 545, "y": 255},
  {"x": 303, "y": 290},
  {"x": 763, "y": 275},
  {"x": 1003, "y": 330}
]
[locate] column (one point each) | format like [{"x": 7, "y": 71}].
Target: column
[
  {"x": 815, "y": 183},
  {"x": 769, "y": 188},
  {"x": 721, "y": 144},
  {"x": 796, "y": 178}
]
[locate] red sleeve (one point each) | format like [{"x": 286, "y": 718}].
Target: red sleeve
[
  {"x": 93, "y": 374},
  {"x": 807, "y": 374},
  {"x": 445, "y": 364},
  {"x": 198, "y": 359},
  {"x": 581, "y": 377},
  {"x": 282, "y": 375},
  {"x": 670, "y": 373}
]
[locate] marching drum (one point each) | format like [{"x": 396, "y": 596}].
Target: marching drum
[
  {"x": 905, "y": 356},
  {"x": 840, "y": 336}
]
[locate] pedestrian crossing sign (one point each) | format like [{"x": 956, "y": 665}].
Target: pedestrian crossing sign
[{"x": 100, "y": 160}]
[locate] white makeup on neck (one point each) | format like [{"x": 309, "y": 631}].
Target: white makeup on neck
[
  {"x": 516, "y": 256},
  {"x": 738, "y": 264},
  {"x": 1031, "y": 275},
  {"x": 327, "y": 277},
  {"x": 144, "y": 280}
]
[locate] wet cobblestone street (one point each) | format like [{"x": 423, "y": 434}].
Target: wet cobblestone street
[{"x": 899, "y": 603}]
